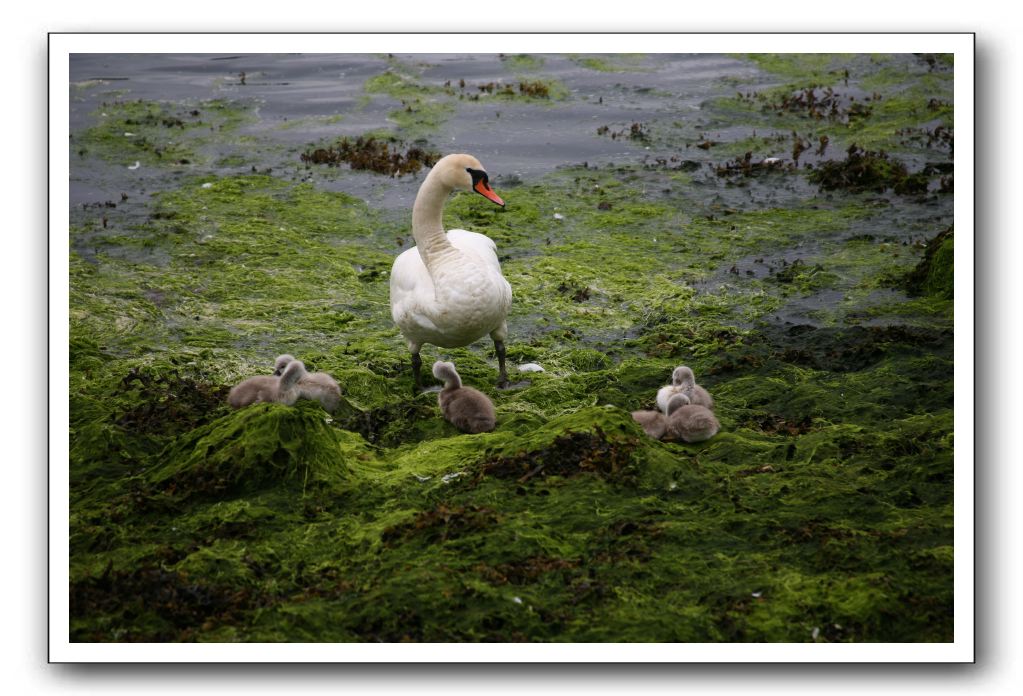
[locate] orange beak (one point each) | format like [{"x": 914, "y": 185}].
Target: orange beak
[{"x": 484, "y": 190}]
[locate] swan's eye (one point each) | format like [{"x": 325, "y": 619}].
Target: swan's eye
[{"x": 478, "y": 175}]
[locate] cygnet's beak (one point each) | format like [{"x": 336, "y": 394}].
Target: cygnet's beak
[{"x": 483, "y": 188}]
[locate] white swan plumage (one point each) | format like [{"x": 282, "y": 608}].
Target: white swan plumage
[{"x": 448, "y": 290}]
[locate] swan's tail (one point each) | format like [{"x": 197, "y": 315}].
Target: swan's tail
[{"x": 445, "y": 372}]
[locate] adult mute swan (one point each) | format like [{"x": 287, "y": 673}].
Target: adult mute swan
[{"x": 448, "y": 289}]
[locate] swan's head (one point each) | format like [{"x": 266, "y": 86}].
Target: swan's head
[
  {"x": 683, "y": 377},
  {"x": 465, "y": 173},
  {"x": 282, "y": 362}
]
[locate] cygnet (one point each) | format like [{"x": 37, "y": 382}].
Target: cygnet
[
  {"x": 318, "y": 386},
  {"x": 689, "y": 422},
  {"x": 683, "y": 382},
  {"x": 652, "y": 422},
  {"x": 282, "y": 390},
  {"x": 468, "y": 409}
]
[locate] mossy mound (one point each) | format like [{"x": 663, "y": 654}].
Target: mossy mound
[
  {"x": 601, "y": 441},
  {"x": 258, "y": 446}
]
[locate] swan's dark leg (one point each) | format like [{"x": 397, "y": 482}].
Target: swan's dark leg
[
  {"x": 502, "y": 377},
  {"x": 417, "y": 363},
  {"x": 498, "y": 335}
]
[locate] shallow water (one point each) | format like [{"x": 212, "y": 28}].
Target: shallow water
[{"x": 512, "y": 139}]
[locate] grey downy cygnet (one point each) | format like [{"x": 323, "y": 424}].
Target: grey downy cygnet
[
  {"x": 689, "y": 422},
  {"x": 654, "y": 423},
  {"x": 282, "y": 390},
  {"x": 318, "y": 386},
  {"x": 683, "y": 382},
  {"x": 468, "y": 409}
]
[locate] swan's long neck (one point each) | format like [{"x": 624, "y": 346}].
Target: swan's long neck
[{"x": 428, "y": 222}]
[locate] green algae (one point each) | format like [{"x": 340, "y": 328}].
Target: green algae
[
  {"x": 819, "y": 67},
  {"x": 157, "y": 133},
  {"x": 418, "y": 117},
  {"x": 821, "y": 512},
  {"x": 260, "y": 446},
  {"x": 889, "y": 98},
  {"x": 399, "y": 85},
  {"x": 530, "y": 89},
  {"x": 425, "y": 108},
  {"x": 523, "y": 63},
  {"x": 623, "y": 62},
  {"x": 934, "y": 275}
]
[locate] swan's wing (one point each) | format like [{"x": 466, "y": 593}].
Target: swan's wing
[
  {"x": 479, "y": 244},
  {"x": 410, "y": 277},
  {"x": 409, "y": 274},
  {"x": 410, "y": 283},
  {"x": 485, "y": 248},
  {"x": 414, "y": 305},
  {"x": 412, "y": 296}
]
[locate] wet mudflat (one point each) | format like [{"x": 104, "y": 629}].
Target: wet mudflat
[{"x": 781, "y": 224}]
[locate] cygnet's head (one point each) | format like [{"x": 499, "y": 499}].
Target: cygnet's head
[
  {"x": 292, "y": 374},
  {"x": 282, "y": 362},
  {"x": 465, "y": 173},
  {"x": 682, "y": 376},
  {"x": 677, "y": 402},
  {"x": 445, "y": 372}
]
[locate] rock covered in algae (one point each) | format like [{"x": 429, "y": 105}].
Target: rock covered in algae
[
  {"x": 596, "y": 440},
  {"x": 258, "y": 446}
]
